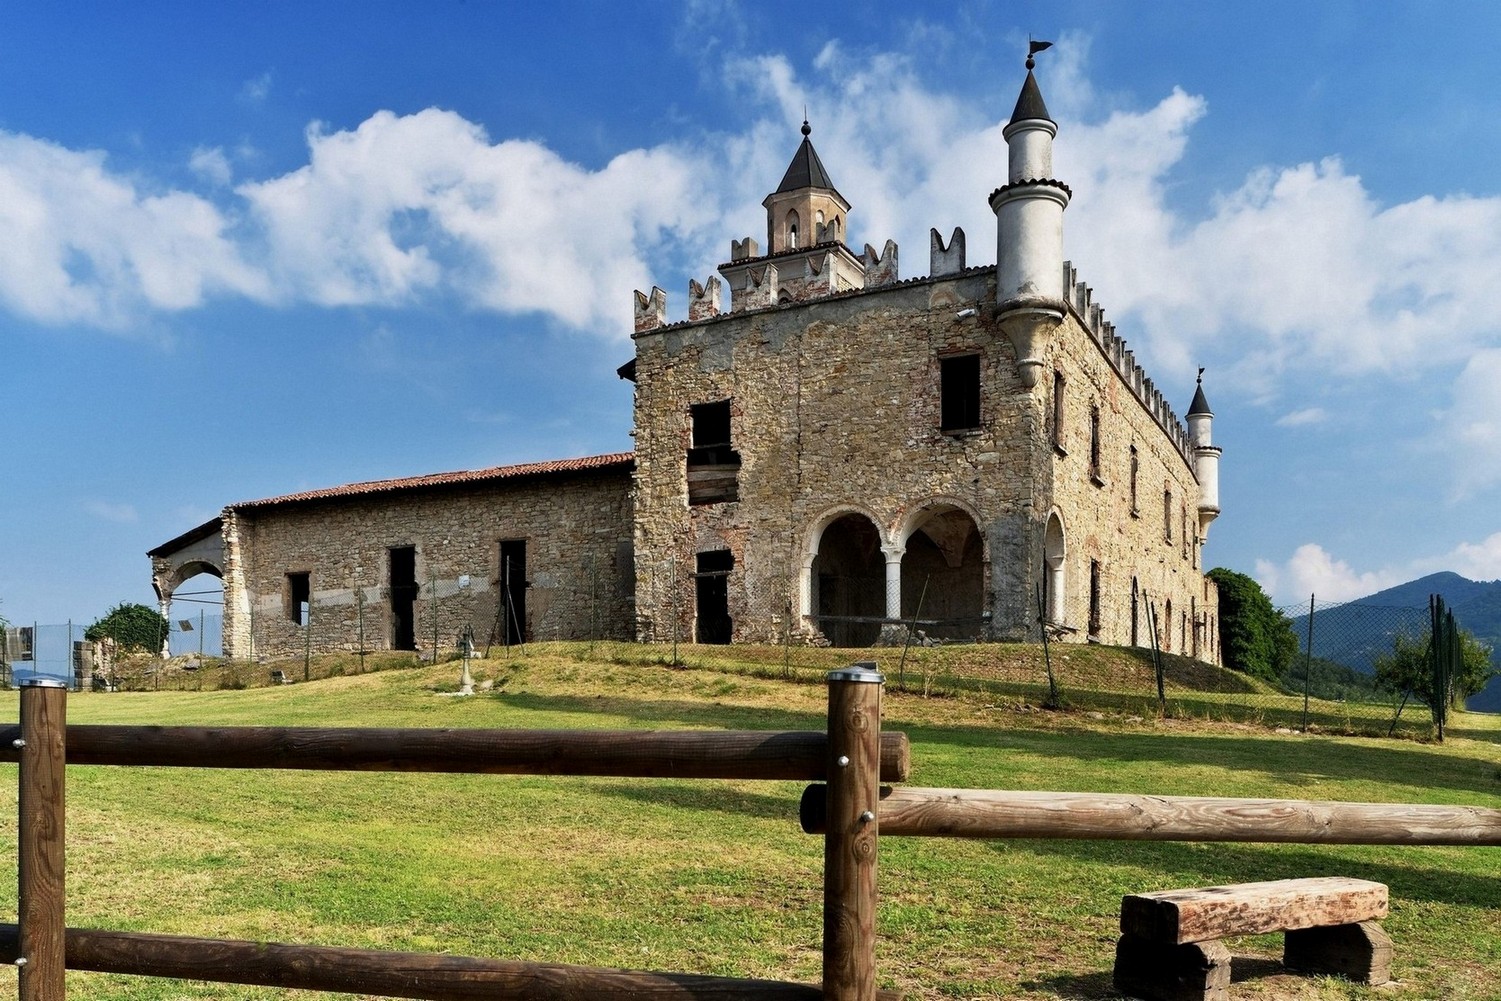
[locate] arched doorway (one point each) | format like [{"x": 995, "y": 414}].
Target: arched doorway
[
  {"x": 849, "y": 582},
  {"x": 943, "y": 573}
]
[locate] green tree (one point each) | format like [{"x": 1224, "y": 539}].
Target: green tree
[
  {"x": 1255, "y": 638},
  {"x": 133, "y": 627},
  {"x": 1409, "y": 667}
]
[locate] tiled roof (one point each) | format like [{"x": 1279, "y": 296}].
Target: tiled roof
[{"x": 623, "y": 460}]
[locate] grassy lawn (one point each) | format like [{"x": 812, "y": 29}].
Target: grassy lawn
[{"x": 715, "y": 877}]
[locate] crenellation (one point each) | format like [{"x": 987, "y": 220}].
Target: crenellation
[
  {"x": 651, "y": 310},
  {"x": 880, "y": 269},
  {"x": 704, "y": 300},
  {"x": 744, "y": 250},
  {"x": 760, "y": 289},
  {"x": 945, "y": 260}
]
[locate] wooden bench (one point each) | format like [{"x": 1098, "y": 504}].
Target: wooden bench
[{"x": 1170, "y": 947}]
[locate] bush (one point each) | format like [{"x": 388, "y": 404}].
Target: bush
[{"x": 134, "y": 628}]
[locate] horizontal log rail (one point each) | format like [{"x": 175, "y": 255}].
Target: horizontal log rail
[
  {"x": 684, "y": 754},
  {"x": 989, "y": 813},
  {"x": 394, "y": 974}
]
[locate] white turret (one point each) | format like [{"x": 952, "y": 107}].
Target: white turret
[
  {"x": 1206, "y": 458},
  {"x": 1029, "y": 229}
]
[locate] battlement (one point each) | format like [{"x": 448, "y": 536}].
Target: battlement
[
  {"x": 945, "y": 260},
  {"x": 1092, "y": 316}
]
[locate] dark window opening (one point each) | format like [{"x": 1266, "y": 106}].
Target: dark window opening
[
  {"x": 1094, "y": 599},
  {"x": 513, "y": 584},
  {"x": 1057, "y": 428},
  {"x": 299, "y": 595},
  {"x": 712, "y": 590},
  {"x": 403, "y": 568},
  {"x": 959, "y": 393},
  {"x": 713, "y": 465},
  {"x": 1135, "y": 620},
  {"x": 1094, "y": 444},
  {"x": 1135, "y": 468},
  {"x": 1167, "y": 515}
]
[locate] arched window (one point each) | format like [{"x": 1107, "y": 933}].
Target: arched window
[
  {"x": 792, "y": 222},
  {"x": 1053, "y": 551}
]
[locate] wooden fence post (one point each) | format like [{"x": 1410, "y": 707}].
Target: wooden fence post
[
  {"x": 40, "y": 829},
  {"x": 849, "y": 852}
]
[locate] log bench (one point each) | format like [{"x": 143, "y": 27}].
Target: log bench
[{"x": 1170, "y": 948}]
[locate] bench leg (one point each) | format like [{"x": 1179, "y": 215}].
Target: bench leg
[
  {"x": 1199, "y": 971},
  {"x": 1361, "y": 952}
]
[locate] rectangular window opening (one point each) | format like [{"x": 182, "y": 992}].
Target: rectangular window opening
[
  {"x": 1094, "y": 445},
  {"x": 959, "y": 393},
  {"x": 1057, "y": 428},
  {"x": 299, "y": 594},
  {"x": 713, "y": 464}
]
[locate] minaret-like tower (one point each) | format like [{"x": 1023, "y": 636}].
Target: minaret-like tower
[
  {"x": 1206, "y": 458},
  {"x": 1029, "y": 225}
]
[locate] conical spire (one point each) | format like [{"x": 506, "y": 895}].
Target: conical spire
[
  {"x": 806, "y": 170},
  {"x": 1029, "y": 105},
  {"x": 1200, "y": 405}
]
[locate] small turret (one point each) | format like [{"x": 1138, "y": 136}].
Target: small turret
[
  {"x": 1206, "y": 457},
  {"x": 807, "y": 221},
  {"x": 1029, "y": 229}
]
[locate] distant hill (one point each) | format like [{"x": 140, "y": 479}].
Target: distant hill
[{"x": 1357, "y": 632}]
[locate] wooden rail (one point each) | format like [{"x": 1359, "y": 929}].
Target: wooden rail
[
  {"x": 853, "y": 754},
  {"x": 682, "y": 754},
  {"x": 395, "y": 974},
  {"x": 991, "y": 813}
]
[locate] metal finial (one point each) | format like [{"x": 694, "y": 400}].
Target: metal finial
[
  {"x": 1201, "y": 375},
  {"x": 1034, "y": 47},
  {"x": 807, "y": 129}
]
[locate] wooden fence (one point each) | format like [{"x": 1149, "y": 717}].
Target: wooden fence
[{"x": 848, "y": 806}]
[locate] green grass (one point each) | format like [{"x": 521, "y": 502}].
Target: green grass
[{"x": 715, "y": 877}]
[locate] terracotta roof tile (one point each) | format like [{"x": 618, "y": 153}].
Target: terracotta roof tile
[{"x": 461, "y": 477}]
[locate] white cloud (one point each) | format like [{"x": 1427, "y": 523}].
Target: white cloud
[
  {"x": 211, "y": 164},
  {"x": 1476, "y": 560},
  {"x": 1312, "y": 571},
  {"x": 1303, "y": 418},
  {"x": 84, "y": 245},
  {"x": 415, "y": 204},
  {"x": 1470, "y": 431},
  {"x": 123, "y": 514},
  {"x": 256, "y": 89}
]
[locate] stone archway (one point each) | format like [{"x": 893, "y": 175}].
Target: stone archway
[
  {"x": 943, "y": 572},
  {"x": 847, "y": 581}
]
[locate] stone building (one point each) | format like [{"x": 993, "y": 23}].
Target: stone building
[{"x": 834, "y": 455}]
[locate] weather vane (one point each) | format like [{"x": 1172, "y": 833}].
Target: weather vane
[{"x": 1034, "y": 47}]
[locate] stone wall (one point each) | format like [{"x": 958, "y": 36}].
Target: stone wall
[
  {"x": 577, "y": 529},
  {"x": 1159, "y": 548}
]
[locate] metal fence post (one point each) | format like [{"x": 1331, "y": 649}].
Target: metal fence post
[
  {"x": 850, "y": 839},
  {"x": 40, "y": 840}
]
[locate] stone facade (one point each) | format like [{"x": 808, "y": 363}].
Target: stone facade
[{"x": 326, "y": 570}]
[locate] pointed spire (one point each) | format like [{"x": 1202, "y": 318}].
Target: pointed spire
[
  {"x": 806, "y": 170},
  {"x": 1200, "y": 405},
  {"x": 1029, "y": 105}
]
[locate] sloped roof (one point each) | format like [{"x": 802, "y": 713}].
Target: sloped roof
[{"x": 613, "y": 460}]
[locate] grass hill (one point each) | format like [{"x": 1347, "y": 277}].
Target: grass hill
[{"x": 716, "y": 877}]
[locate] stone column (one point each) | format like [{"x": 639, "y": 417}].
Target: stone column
[{"x": 891, "y": 633}]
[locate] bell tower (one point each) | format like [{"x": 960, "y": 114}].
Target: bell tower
[{"x": 807, "y": 221}]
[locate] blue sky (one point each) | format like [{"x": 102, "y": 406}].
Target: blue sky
[{"x": 253, "y": 248}]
